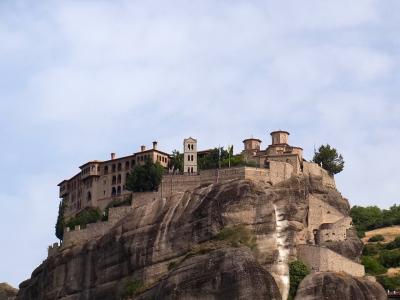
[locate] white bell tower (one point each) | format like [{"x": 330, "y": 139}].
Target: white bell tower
[{"x": 190, "y": 156}]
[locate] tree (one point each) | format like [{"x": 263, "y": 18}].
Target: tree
[
  {"x": 60, "y": 221},
  {"x": 145, "y": 178},
  {"x": 176, "y": 161},
  {"x": 329, "y": 158},
  {"x": 372, "y": 265}
]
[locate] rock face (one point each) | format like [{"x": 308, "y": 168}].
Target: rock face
[
  {"x": 7, "y": 292},
  {"x": 334, "y": 286},
  {"x": 172, "y": 247}
]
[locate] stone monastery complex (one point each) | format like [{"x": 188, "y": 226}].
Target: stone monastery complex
[{"x": 100, "y": 182}]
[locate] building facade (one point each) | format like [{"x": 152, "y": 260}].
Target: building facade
[
  {"x": 100, "y": 182},
  {"x": 278, "y": 150}
]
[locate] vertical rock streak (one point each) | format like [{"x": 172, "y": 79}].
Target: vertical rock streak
[{"x": 282, "y": 270}]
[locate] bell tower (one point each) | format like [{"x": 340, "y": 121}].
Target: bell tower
[{"x": 190, "y": 156}]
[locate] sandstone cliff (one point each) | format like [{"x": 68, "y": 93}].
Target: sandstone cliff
[{"x": 173, "y": 248}]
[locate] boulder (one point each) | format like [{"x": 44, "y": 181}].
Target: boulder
[{"x": 335, "y": 286}]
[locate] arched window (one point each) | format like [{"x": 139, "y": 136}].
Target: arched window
[
  {"x": 106, "y": 170},
  {"x": 114, "y": 180},
  {"x": 113, "y": 191},
  {"x": 119, "y": 167},
  {"x": 119, "y": 190},
  {"x": 127, "y": 165},
  {"x": 119, "y": 178},
  {"x": 89, "y": 197},
  {"x": 113, "y": 168}
]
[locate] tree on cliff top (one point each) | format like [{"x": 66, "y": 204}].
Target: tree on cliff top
[
  {"x": 329, "y": 159},
  {"x": 145, "y": 178},
  {"x": 176, "y": 161},
  {"x": 60, "y": 221}
]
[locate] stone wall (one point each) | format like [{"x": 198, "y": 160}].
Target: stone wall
[
  {"x": 53, "y": 249},
  {"x": 277, "y": 172},
  {"x": 310, "y": 168},
  {"x": 320, "y": 212},
  {"x": 334, "y": 231},
  {"x": 95, "y": 230},
  {"x": 321, "y": 259}
]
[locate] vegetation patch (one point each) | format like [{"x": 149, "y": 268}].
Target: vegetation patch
[
  {"x": 389, "y": 283},
  {"x": 145, "y": 178},
  {"x": 84, "y": 217},
  {"x": 376, "y": 238},
  {"x": 297, "y": 271},
  {"x": 131, "y": 288},
  {"x": 237, "y": 236},
  {"x": 172, "y": 265},
  {"x": 372, "y": 265},
  {"x": 372, "y": 217}
]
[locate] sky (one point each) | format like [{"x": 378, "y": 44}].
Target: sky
[{"x": 81, "y": 79}]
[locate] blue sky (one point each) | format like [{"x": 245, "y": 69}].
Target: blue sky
[{"x": 81, "y": 79}]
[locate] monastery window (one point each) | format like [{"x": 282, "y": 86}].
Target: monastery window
[
  {"x": 127, "y": 165},
  {"x": 119, "y": 178},
  {"x": 113, "y": 191},
  {"x": 114, "y": 180},
  {"x": 98, "y": 169},
  {"x": 113, "y": 168},
  {"x": 104, "y": 193},
  {"x": 132, "y": 163},
  {"x": 119, "y": 190},
  {"x": 89, "y": 197},
  {"x": 119, "y": 167},
  {"x": 106, "y": 170}
]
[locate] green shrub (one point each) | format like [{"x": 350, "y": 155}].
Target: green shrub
[
  {"x": 394, "y": 244},
  {"x": 373, "y": 249},
  {"x": 116, "y": 203},
  {"x": 237, "y": 235},
  {"x": 372, "y": 265},
  {"x": 389, "y": 283},
  {"x": 390, "y": 258},
  {"x": 131, "y": 288},
  {"x": 172, "y": 265},
  {"x": 297, "y": 271},
  {"x": 84, "y": 217},
  {"x": 376, "y": 238}
]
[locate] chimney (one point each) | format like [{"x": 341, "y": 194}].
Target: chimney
[
  {"x": 142, "y": 148},
  {"x": 155, "y": 145},
  {"x": 113, "y": 155}
]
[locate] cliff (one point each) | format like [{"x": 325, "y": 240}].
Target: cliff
[{"x": 219, "y": 241}]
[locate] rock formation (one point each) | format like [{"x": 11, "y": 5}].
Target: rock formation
[
  {"x": 173, "y": 248},
  {"x": 7, "y": 292},
  {"x": 335, "y": 286}
]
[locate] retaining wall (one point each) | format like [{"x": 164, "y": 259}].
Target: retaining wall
[
  {"x": 310, "y": 168},
  {"x": 321, "y": 259},
  {"x": 95, "y": 230}
]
